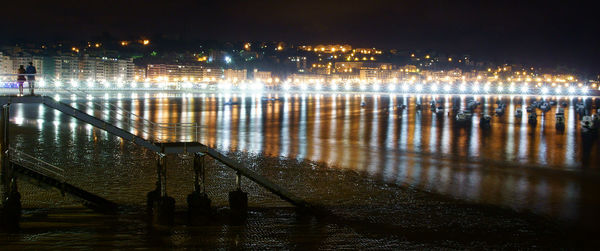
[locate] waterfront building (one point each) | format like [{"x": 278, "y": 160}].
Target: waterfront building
[
  {"x": 261, "y": 75},
  {"x": 235, "y": 75}
]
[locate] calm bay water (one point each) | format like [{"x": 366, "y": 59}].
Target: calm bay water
[{"x": 513, "y": 164}]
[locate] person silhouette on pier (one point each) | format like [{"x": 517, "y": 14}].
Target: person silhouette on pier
[
  {"x": 31, "y": 71},
  {"x": 21, "y": 79}
]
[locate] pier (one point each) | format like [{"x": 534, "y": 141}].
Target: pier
[{"x": 17, "y": 165}]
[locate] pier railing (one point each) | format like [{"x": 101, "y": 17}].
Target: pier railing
[
  {"x": 34, "y": 164},
  {"x": 150, "y": 130}
]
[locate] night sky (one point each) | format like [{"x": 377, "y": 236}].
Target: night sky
[{"x": 537, "y": 32}]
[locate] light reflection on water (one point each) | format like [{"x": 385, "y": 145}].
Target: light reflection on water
[{"x": 512, "y": 163}]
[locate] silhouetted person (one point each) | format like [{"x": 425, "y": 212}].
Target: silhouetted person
[
  {"x": 21, "y": 78},
  {"x": 31, "y": 77}
]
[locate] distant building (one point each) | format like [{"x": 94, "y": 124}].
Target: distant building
[
  {"x": 332, "y": 48},
  {"x": 299, "y": 61},
  {"x": 261, "y": 75},
  {"x": 372, "y": 74},
  {"x": 65, "y": 68},
  {"x": 100, "y": 69},
  {"x": 139, "y": 73},
  {"x": 235, "y": 75},
  {"x": 174, "y": 73},
  {"x": 212, "y": 74},
  {"x": 10, "y": 64},
  {"x": 345, "y": 67}
]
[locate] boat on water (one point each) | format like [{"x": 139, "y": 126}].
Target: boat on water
[
  {"x": 518, "y": 113},
  {"x": 464, "y": 117},
  {"x": 590, "y": 123},
  {"x": 532, "y": 118},
  {"x": 485, "y": 121},
  {"x": 529, "y": 109},
  {"x": 560, "y": 119},
  {"x": 439, "y": 110},
  {"x": 499, "y": 111},
  {"x": 231, "y": 103},
  {"x": 545, "y": 107}
]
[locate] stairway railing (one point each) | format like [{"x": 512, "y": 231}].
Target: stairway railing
[
  {"x": 154, "y": 131},
  {"x": 35, "y": 164}
]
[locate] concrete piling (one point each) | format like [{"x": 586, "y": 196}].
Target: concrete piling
[
  {"x": 238, "y": 201},
  {"x": 199, "y": 211},
  {"x": 163, "y": 206}
]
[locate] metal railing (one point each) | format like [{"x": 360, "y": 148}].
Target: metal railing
[
  {"x": 37, "y": 165},
  {"x": 154, "y": 131}
]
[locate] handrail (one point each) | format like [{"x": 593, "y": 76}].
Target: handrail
[
  {"x": 154, "y": 127},
  {"x": 35, "y": 164}
]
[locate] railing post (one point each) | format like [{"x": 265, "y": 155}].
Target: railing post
[
  {"x": 199, "y": 210},
  {"x": 10, "y": 214},
  {"x": 4, "y": 150}
]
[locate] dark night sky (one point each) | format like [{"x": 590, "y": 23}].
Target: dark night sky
[{"x": 539, "y": 32}]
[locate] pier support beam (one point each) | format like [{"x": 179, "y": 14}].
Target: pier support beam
[
  {"x": 10, "y": 211},
  {"x": 199, "y": 210},
  {"x": 162, "y": 207},
  {"x": 238, "y": 201}
]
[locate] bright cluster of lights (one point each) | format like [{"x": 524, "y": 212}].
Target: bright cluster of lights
[
  {"x": 319, "y": 85},
  {"x": 436, "y": 87}
]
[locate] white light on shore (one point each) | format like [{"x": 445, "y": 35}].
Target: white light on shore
[{"x": 524, "y": 89}]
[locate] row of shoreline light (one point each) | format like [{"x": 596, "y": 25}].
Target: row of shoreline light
[{"x": 412, "y": 87}]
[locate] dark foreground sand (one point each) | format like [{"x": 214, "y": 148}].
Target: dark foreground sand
[{"x": 358, "y": 213}]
